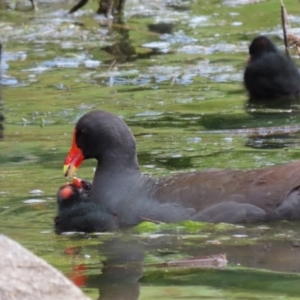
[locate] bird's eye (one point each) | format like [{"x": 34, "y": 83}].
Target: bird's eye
[
  {"x": 80, "y": 133},
  {"x": 86, "y": 185}
]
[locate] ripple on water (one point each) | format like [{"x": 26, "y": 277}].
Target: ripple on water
[
  {"x": 178, "y": 37},
  {"x": 211, "y": 49},
  {"x": 64, "y": 62},
  {"x": 36, "y": 192},
  {"x": 34, "y": 201},
  {"x": 148, "y": 113},
  {"x": 169, "y": 138},
  {"x": 159, "y": 46},
  {"x": 240, "y": 2},
  {"x": 11, "y": 81},
  {"x": 199, "y": 21},
  {"x": 185, "y": 74}
]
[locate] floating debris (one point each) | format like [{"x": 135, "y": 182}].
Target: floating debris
[{"x": 217, "y": 261}]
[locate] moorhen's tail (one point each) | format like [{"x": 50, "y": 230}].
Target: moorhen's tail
[{"x": 289, "y": 209}]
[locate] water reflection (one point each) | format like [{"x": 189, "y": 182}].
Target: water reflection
[
  {"x": 273, "y": 141},
  {"x": 180, "y": 87},
  {"x": 16, "y": 4},
  {"x": 128, "y": 265},
  {"x": 1, "y": 99},
  {"x": 123, "y": 50},
  {"x": 287, "y": 103},
  {"x": 161, "y": 28},
  {"x": 283, "y": 136},
  {"x": 121, "y": 271}
]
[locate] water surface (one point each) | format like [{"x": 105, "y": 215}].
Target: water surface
[{"x": 179, "y": 88}]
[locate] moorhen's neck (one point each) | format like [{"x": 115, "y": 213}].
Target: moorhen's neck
[
  {"x": 119, "y": 160},
  {"x": 117, "y": 174}
]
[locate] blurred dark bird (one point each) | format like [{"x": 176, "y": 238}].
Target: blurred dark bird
[
  {"x": 271, "y": 78},
  {"x": 77, "y": 213}
]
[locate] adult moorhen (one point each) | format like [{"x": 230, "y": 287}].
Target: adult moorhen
[
  {"x": 119, "y": 188},
  {"x": 77, "y": 213},
  {"x": 271, "y": 79}
]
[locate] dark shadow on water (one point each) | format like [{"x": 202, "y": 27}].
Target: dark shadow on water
[
  {"x": 272, "y": 103},
  {"x": 273, "y": 141},
  {"x": 218, "y": 121},
  {"x": 161, "y": 28},
  {"x": 265, "y": 130},
  {"x": 251, "y": 120}
]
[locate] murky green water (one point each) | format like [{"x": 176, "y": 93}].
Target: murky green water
[{"x": 181, "y": 93}]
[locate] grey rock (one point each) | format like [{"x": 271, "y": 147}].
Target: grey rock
[{"x": 26, "y": 276}]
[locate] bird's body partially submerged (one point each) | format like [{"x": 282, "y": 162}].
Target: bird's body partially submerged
[
  {"x": 271, "y": 79},
  {"x": 77, "y": 213},
  {"x": 232, "y": 196}
]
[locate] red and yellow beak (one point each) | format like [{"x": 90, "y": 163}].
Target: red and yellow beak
[
  {"x": 77, "y": 182},
  {"x": 73, "y": 159}
]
